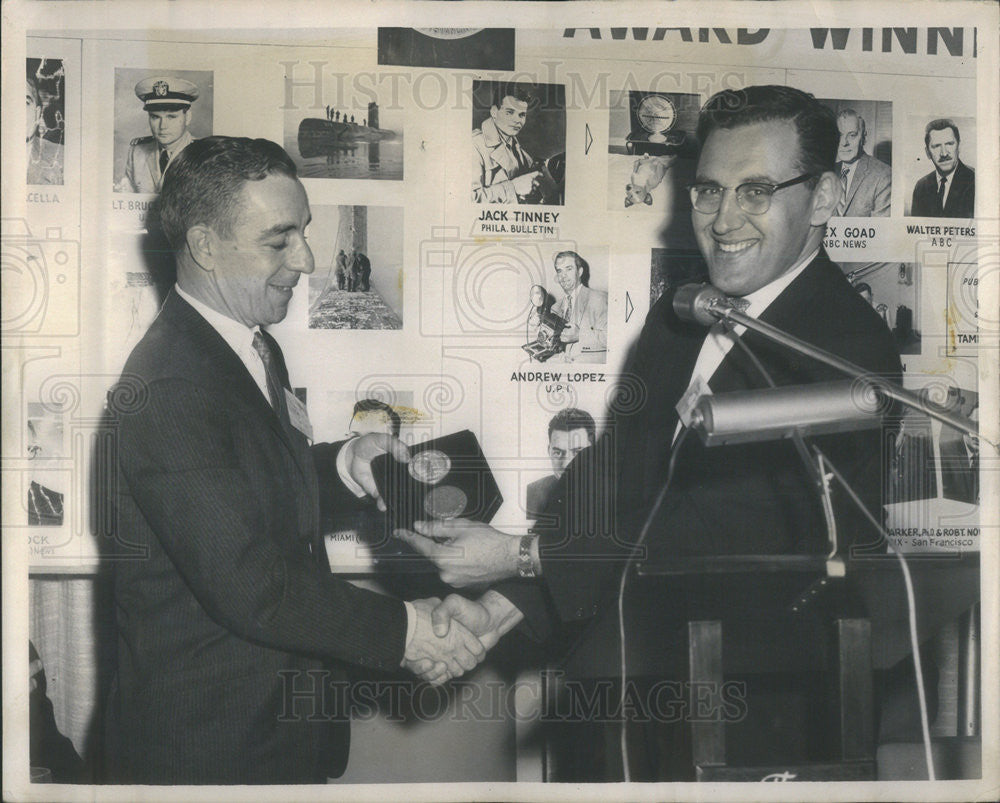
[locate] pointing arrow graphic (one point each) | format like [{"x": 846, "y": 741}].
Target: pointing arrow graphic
[
  {"x": 629, "y": 307},
  {"x": 588, "y": 140}
]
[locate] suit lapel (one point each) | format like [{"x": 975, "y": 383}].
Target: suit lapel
[
  {"x": 217, "y": 366},
  {"x": 959, "y": 188},
  {"x": 859, "y": 174}
]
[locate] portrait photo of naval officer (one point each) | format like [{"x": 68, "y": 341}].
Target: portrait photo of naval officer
[{"x": 175, "y": 108}]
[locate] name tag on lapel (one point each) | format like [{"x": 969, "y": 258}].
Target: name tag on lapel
[
  {"x": 698, "y": 388},
  {"x": 297, "y": 414}
]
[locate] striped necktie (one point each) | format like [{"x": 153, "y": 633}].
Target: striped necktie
[{"x": 274, "y": 388}]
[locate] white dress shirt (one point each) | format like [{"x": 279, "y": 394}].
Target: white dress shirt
[{"x": 720, "y": 339}]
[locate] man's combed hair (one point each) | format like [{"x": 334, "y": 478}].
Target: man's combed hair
[
  {"x": 521, "y": 92},
  {"x": 202, "y": 184},
  {"x": 940, "y": 125},
  {"x": 815, "y": 123},
  {"x": 573, "y": 418},
  {"x": 364, "y": 406}
]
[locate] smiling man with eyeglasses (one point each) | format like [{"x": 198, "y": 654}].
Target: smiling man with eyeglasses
[
  {"x": 764, "y": 190},
  {"x": 765, "y": 186}
]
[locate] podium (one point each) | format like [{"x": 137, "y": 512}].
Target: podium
[{"x": 867, "y": 620}]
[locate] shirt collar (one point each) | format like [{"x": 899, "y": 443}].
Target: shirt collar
[
  {"x": 236, "y": 335},
  {"x": 763, "y": 297},
  {"x": 178, "y": 145}
]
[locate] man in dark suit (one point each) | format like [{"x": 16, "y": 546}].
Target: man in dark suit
[
  {"x": 950, "y": 189},
  {"x": 867, "y": 182},
  {"x": 570, "y": 432},
  {"x": 765, "y": 188},
  {"x": 233, "y": 636}
]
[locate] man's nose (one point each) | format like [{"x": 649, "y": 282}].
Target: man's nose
[
  {"x": 730, "y": 215},
  {"x": 301, "y": 258}
]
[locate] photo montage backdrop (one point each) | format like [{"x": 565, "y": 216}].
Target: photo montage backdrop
[{"x": 442, "y": 196}]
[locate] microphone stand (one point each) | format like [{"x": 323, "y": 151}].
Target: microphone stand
[{"x": 718, "y": 308}]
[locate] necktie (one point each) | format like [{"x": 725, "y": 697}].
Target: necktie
[
  {"x": 940, "y": 195},
  {"x": 845, "y": 172},
  {"x": 569, "y": 309},
  {"x": 164, "y": 161},
  {"x": 274, "y": 388}
]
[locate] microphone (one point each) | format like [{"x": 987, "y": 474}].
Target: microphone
[
  {"x": 705, "y": 304},
  {"x": 701, "y": 303},
  {"x": 748, "y": 416}
]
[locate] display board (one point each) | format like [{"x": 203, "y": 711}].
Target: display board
[{"x": 435, "y": 267}]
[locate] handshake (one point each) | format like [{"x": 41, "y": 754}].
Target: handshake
[{"x": 452, "y": 637}]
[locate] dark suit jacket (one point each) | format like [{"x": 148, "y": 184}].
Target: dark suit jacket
[
  {"x": 225, "y": 624},
  {"x": 870, "y": 193},
  {"x": 961, "y": 201},
  {"x": 538, "y": 494},
  {"x": 743, "y": 499}
]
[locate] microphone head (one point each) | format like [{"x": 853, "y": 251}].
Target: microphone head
[{"x": 700, "y": 303}]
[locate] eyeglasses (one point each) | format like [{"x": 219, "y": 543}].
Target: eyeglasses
[{"x": 754, "y": 197}]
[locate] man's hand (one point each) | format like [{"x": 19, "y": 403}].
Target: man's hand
[
  {"x": 524, "y": 184},
  {"x": 437, "y": 659},
  {"x": 489, "y": 618},
  {"x": 570, "y": 333},
  {"x": 362, "y": 450},
  {"x": 466, "y": 552}
]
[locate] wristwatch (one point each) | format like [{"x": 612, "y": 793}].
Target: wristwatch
[{"x": 525, "y": 564}]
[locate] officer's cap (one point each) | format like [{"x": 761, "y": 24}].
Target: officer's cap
[{"x": 166, "y": 94}]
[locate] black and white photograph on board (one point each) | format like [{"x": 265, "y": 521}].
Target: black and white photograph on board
[
  {"x": 354, "y": 136},
  {"x": 864, "y": 156},
  {"x": 570, "y": 431},
  {"x": 48, "y": 480},
  {"x": 519, "y": 143},
  {"x": 45, "y": 113},
  {"x": 669, "y": 268},
  {"x": 157, "y": 114},
  {"x": 358, "y": 281},
  {"x": 942, "y": 168},
  {"x": 892, "y": 289},
  {"x": 652, "y": 149},
  {"x": 934, "y": 468},
  {"x": 444, "y": 48},
  {"x": 568, "y": 315}
]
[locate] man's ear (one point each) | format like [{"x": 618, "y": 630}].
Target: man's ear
[
  {"x": 203, "y": 246},
  {"x": 825, "y": 198}
]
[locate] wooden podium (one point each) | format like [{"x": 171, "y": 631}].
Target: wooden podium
[{"x": 867, "y": 619}]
